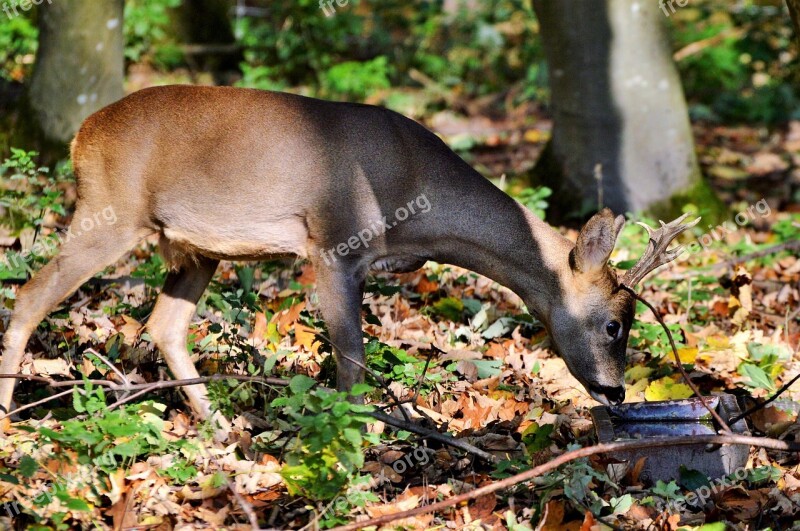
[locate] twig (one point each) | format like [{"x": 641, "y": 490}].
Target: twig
[
  {"x": 143, "y": 388},
  {"x": 785, "y": 246},
  {"x": 110, "y": 366},
  {"x": 678, "y": 362},
  {"x": 705, "y": 270},
  {"x": 37, "y": 403},
  {"x": 418, "y": 387},
  {"x": 522, "y": 477},
  {"x": 435, "y": 435},
  {"x": 162, "y": 384},
  {"x": 766, "y": 402},
  {"x": 698, "y": 46}
]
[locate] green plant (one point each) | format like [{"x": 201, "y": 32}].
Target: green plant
[
  {"x": 764, "y": 364},
  {"x": 32, "y": 191},
  {"x": 18, "y": 39},
  {"x": 326, "y": 452},
  {"x": 395, "y": 364},
  {"x": 145, "y": 26},
  {"x": 744, "y": 73},
  {"x": 581, "y": 483},
  {"x": 535, "y": 199},
  {"x": 107, "y": 439},
  {"x": 652, "y": 335},
  {"x": 356, "y": 80}
]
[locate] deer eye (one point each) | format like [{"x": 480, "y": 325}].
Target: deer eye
[{"x": 612, "y": 328}]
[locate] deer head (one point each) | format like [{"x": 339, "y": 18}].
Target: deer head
[{"x": 589, "y": 323}]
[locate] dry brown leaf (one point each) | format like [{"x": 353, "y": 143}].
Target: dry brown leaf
[
  {"x": 553, "y": 516},
  {"x": 44, "y": 367},
  {"x": 288, "y": 317},
  {"x": 259, "y": 327}
]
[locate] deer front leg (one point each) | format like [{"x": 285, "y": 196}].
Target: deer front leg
[{"x": 340, "y": 288}]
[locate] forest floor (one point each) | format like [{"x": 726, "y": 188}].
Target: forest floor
[{"x": 484, "y": 370}]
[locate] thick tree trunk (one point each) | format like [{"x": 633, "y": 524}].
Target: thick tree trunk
[
  {"x": 621, "y": 133},
  {"x": 79, "y": 66},
  {"x": 794, "y": 12}
]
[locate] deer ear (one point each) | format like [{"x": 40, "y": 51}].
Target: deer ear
[{"x": 596, "y": 241}]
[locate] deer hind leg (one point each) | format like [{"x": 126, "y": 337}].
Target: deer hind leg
[
  {"x": 169, "y": 325},
  {"x": 80, "y": 257}
]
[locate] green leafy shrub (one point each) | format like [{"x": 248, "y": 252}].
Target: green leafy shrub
[
  {"x": 535, "y": 199},
  {"x": 326, "y": 453},
  {"x": 746, "y": 69},
  {"x": 18, "y": 42},
  {"x": 31, "y": 192},
  {"x": 108, "y": 439},
  {"x": 357, "y": 80},
  {"x": 397, "y": 365},
  {"x": 145, "y": 27}
]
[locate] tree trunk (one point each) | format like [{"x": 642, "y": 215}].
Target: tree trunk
[
  {"x": 621, "y": 131},
  {"x": 794, "y": 12},
  {"x": 79, "y": 66}
]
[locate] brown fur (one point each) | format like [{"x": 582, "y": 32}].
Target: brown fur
[{"x": 236, "y": 174}]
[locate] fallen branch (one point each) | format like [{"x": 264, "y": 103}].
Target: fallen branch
[
  {"x": 435, "y": 435},
  {"x": 522, "y": 477},
  {"x": 792, "y": 245}
]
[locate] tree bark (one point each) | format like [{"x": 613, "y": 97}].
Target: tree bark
[
  {"x": 79, "y": 66},
  {"x": 794, "y": 13},
  {"x": 621, "y": 131}
]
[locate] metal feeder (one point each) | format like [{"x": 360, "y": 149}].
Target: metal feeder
[{"x": 645, "y": 420}]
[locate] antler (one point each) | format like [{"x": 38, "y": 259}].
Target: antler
[{"x": 656, "y": 253}]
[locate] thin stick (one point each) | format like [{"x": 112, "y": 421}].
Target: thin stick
[
  {"x": 695, "y": 390},
  {"x": 785, "y": 246},
  {"x": 110, "y": 365},
  {"x": 522, "y": 477},
  {"x": 765, "y": 403},
  {"x": 435, "y": 435},
  {"x": 37, "y": 403},
  {"x": 418, "y": 387}
]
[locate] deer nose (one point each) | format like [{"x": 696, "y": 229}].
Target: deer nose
[{"x": 615, "y": 395}]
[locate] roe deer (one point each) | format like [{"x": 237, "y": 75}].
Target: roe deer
[{"x": 239, "y": 174}]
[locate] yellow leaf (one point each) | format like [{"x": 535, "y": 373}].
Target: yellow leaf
[
  {"x": 687, "y": 354},
  {"x": 306, "y": 336},
  {"x": 534, "y": 136},
  {"x": 666, "y": 389},
  {"x": 718, "y": 341},
  {"x": 637, "y": 372}
]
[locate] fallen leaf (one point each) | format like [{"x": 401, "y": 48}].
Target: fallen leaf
[{"x": 666, "y": 389}]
